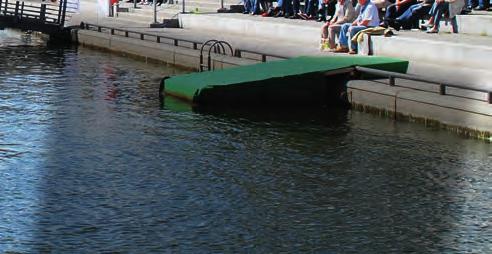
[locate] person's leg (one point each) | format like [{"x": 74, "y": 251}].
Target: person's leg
[
  {"x": 256, "y": 7},
  {"x": 264, "y": 5},
  {"x": 324, "y": 30},
  {"x": 247, "y": 6},
  {"x": 470, "y": 4},
  {"x": 412, "y": 15},
  {"x": 483, "y": 4},
  {"x": 439, "y": 11},
  {"x": 390, "y": 12},
  {"x": 288, "y": 7},
  {"x": 333, "y": 31},
  {"x": 309, "y": 8},
  {"x": 353, "y": 30},
  {"x": 296, "y": 5},
  {"x": 343, "y": 39}
]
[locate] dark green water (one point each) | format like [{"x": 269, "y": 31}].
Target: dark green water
[{"x": 91, "y": 163}]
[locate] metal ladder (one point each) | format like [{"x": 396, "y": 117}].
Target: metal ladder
[{"x": 218, "y": 47}]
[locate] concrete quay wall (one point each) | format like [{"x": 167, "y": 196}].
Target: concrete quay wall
[
  {"x": 467, "y": 117},
  {"x": 149, "y": 51}
]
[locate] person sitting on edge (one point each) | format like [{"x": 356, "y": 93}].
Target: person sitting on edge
[
  {"x": 441, "y": 7},
  {"x": 368, "y": 16},
  {"x": 344, "y": 13},
  {"x": 395, "y": 10},
  {"x": 412, "y": 15}
]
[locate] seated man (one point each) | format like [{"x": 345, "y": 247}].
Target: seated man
[
  {"x": 344, "y": 13},
  {"x": 412, "y": 15},
  {"x": 368, "y": 16},
  {"x": 395, "y": 10}
]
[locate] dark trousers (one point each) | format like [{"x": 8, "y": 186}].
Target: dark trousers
[
  {"x": 412, "y": 15},
  {"x": 392, "y": 12}
]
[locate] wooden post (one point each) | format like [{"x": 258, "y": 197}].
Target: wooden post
[
  {"x": 60, "y": 7},
  {"x": 6, "y": 4},
  {"x": 22, "y": 10},
  {"x": 442, "y": 89},
  {"x": 16, "y": 8},
  {"x": 62, "y": 23},
  {"x": 392, "y": 81},
  {"x": 42, "y": 14}
]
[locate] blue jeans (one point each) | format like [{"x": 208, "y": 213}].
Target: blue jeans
[
  {"x": 309, "y": 7},
  {"x": 352, "y": 30},
  {"x": 392, "y": 12},
  {"x": 479, "y": 3},
  {"x": 256, "y": 6},
  {"x": 412, "y": 15},
  {"x": 248, "y": 5},
  {"x": 291, "y": 6},
  {"x": 437, "y": 10}
]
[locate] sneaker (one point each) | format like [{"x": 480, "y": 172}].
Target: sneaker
[
  {"x": 480, "y": 8},
  {"x": 341, "y": 50},
  {"x": 302, "y": 16},
  {"x": 279, "y": 14}
]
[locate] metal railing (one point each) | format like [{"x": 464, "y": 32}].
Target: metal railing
[
  {"x": 264, "y": 56},
  {"x": 185, "y": 43},
  {"x": 49, "y": 14},
  {"x": 443, "y": 85},
  {"x": 219, "y": 47}
]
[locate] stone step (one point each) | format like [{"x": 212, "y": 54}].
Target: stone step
[
  {"x": 297, "y": 31},
  {"x": 455, "y": 50},
  {"x": 475, "y": 24},
  {"x": 209, "y": 6}
]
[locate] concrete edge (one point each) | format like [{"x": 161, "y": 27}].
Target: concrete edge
[
  {"x": 148, "y": 51},
  {"x": 387, "y": 103}
]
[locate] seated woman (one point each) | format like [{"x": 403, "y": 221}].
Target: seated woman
[
  {"x": 344, "y": 13},
  {"x": 439, "y": 8}
]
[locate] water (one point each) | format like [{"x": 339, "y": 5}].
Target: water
[{"x": 91, "y": 163}]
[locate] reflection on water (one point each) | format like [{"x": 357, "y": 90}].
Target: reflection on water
[{"x": 90, "y": 162}]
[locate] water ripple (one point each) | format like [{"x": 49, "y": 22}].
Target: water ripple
[{"x": 90, "y": 162}]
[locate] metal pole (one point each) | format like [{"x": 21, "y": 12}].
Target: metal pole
[
  {"x": 155, "y": 11},
  {"x": 183, "y": 11},
  {"x": 221, "y": 4}
]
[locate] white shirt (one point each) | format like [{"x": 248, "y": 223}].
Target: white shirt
[{"x": 339, "y": 11}]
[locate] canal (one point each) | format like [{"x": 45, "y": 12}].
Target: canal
[{"x": 91, "y": 162}]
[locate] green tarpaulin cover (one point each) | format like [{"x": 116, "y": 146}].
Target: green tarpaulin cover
[{"x": 193, "y": 86}]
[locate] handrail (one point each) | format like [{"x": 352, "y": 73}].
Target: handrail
[
  {"x": 214, "y": 46},
  {"x": 39, "y": 12},
  {"x": 176, "y": 41},
  {"x": 264, "y": 56},
  {"x": 442, "y": 84}
]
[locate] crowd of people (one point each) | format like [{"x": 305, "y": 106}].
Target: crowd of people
[{"x": 343, "y": 19}]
